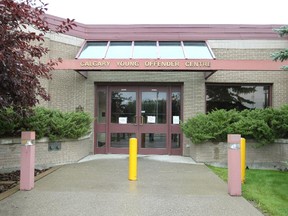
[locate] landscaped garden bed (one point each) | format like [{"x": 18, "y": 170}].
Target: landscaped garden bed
[
  {"x": 61, "y": 137},
  {"x": 11, "y": 179},
  {"x": 265, "y": 130}
]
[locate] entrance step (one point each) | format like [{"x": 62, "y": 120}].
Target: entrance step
[{"x": 163, "y": 158}]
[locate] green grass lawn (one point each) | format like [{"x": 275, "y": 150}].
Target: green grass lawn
[{"x": 268, "y": 189}]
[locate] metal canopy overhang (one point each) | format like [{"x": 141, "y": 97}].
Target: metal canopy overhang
[{"x": 197, "y": 65}]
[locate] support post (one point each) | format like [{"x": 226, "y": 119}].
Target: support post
[
  {"x": 234, "y": 164},
  {"x": 132, "y": 159},
  {"x": 27, "y": 160},
  {"x": 243, "y": 160}
]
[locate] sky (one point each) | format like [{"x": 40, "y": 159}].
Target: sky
[{"x": 171, "y": 12}]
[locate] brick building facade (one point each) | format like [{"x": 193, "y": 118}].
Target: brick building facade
[{"x": 74, "y": 85}]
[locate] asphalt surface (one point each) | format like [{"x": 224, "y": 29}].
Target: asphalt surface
[{"x": 165, "y": 186}]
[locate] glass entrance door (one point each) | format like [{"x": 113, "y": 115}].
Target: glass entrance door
[
  {"x": 123, "y": 118},
  {"x": 150, "y": 114},
  {"x": 153, "y": 129}
]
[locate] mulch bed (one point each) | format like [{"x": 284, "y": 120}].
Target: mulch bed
[{"x": 11, "y": 179}]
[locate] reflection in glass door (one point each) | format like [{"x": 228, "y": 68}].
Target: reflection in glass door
[
  {"x": 153, "y": 117},
  {"x": 123, "y": 107},
  {"x": 175, "y": 130},
  {"x": 123, "y": 117}
]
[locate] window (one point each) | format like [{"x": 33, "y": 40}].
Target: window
[
  {"x": 119, "y": 50},
  {"x": 94, "y": 50},
  {"x": 237, "y": 97},
  {"x": 101, "y": 107},
  {"x": 197, "y": 50},
  {"x": 176, "y": 107},
  {"x": 145, "y": 50},
  {"x": 101, "y": 140},
  {"x": 123, "y": 105},
  {"x": 171, "y": 50}
]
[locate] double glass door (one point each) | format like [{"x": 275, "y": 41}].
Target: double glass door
[{"x": 151, "y": 114}]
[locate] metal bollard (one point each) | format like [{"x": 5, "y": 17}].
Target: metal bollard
[
  {"x": 132, "y": 159},
  {"x": 243, "y": 160}
]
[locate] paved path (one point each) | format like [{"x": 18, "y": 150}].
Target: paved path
[{"x": 101, "y": 187}]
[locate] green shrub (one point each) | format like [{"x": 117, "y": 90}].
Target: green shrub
[
  {"x": 197, "y": 129},
  {"x": 53, "y": 124},
  {"x": 39, "y": 122},
  {"x": 253, "y": 129},
  {"x": 77, "y": 124},
  {"x": 213, "y": 126},
  {"x": 263, "y": 125},
  {"x": 10, "y": 122},
  {"x": 279, "y": 122}
]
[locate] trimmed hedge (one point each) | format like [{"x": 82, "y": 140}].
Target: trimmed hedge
[
  {"x": 53, "y": 124},
  {"x": 263, "y": 125}
]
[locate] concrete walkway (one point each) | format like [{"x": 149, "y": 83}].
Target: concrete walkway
[{"x": 99, "y": 185}]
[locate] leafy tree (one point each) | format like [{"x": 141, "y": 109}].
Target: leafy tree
[
  {"x": 283, "y": 54},
  {"x": 22, "y": 31}
]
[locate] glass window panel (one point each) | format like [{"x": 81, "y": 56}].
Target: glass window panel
[
  {"x": 123, "y": 104},
  {"x": 119, "y": 50},
  {"x": 175, "y": 141},
  {"x": 237, "y": 97},
  {"x": 101, "y": 107},
  {"x": 153, "y": 110},
  {"x": 176, "y": 107},
  {"x": 145, "y": 49},
  {"x": 153, "y": 140},
  {"x": 101, "y": 140},
  {"x": 121, "y": 140},
  {"x": 171, "y": 50},
  {"x": 94, "y": 50},
  {"x": 197, "y": 50}
]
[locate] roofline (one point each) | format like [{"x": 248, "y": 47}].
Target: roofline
[{"x": 165, "y": 32}]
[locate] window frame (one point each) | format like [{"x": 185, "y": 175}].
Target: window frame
[
  {"x": 86, "y": 44},
  {"x": 131, "y": 55},
  {"x": 186, "y": 52},
  {"x": 115, "y": 44},
  {"x": 177, "y": 45},
  {"x": 156, "y": 49}
]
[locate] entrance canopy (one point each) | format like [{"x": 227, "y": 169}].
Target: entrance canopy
[
  {"x": 197, "y": 65},
  {"x": 163, "y": 47},
  {"x": 158, "y": 55}
]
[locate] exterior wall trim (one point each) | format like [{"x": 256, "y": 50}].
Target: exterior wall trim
[
  {"x": 162, "y": 32},
  {"x": 169, "y": 64}
]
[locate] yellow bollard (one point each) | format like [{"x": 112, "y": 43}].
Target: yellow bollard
[
  {"x": 243, "y": 159},
  {"x": 132, "y": 159}
]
